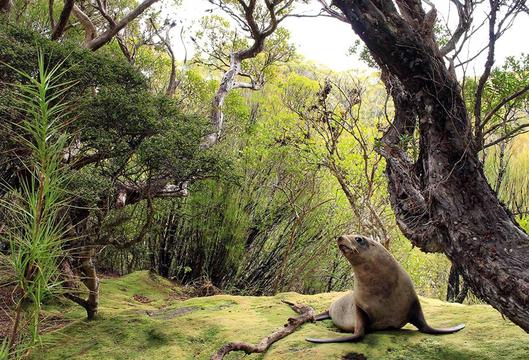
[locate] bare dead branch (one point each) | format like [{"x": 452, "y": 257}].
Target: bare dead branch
[
  {"x": 306, "y": 315},
  {"x": 496, "y": 30},
  {"x": 521, "y": 129},
  {"x": 503, "y": 102},
  {"x": 166, "y": 41},
  {"x": 464, "y": 11},
  {"x": 327, "y": 8}
]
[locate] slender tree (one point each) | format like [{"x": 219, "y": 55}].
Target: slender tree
[{"x": 259, "y": 20}]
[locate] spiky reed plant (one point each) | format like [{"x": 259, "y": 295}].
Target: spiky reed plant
[
  {"x": 4, "y": 349},
  {"x": 37, "y": 205}
]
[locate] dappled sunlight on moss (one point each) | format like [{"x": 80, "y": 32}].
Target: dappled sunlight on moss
[{"x": 125, "y": 330}]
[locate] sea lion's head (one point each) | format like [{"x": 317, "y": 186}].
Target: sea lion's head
[{"x": 358, "y": 248}]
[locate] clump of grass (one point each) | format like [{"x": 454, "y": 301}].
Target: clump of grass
[{"x": 36, "y": 205}]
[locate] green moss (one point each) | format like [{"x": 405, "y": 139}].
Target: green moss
[{"x": 195, "y": 328}]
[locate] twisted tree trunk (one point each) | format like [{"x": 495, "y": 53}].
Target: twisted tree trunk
[{"x": 442, "y": 201}]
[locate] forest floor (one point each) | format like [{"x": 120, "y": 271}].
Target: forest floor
[{"x": 143, "y": 316}]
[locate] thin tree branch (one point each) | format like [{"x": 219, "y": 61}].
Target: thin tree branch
[
  {"x": 464, "y": 12},
  {"x": 105, "y": 37},
  {"x": 502, "y": 103},
  {"x": 514, "y": 132}
]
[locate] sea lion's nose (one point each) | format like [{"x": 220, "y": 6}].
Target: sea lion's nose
[{"x": 340, "y": 239}]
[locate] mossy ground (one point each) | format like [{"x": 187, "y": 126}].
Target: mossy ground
[{"x": 130, "y": 328}]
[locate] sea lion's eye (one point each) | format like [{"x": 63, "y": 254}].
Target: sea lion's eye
[{"x": 359, "y": 240}]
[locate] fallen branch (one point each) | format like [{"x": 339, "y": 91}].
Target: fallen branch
[{"x": 306, "y": 315}]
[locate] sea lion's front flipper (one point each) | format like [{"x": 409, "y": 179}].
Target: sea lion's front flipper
[
  {"x": 361, "y": 321},
  {"x": 322, "y": 316},
  {"x": 417, "y": 319}
]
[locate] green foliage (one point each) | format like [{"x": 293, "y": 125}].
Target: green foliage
[
  {"x": 362, "y": 52},
  {"x": 123, "y": 129},
  {"x": 216, "y": 40},
  {"x": 89, "y": 69},
  {"x": 524, "y": 222},
  {"x": 37, "y": 207},
  {"x": 278, "y": 211}
]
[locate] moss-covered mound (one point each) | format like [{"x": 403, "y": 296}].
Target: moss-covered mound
[{"x": 144, "y": 317}]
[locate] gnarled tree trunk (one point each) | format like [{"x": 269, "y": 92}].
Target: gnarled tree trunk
[{"x": 442, "y": 201}]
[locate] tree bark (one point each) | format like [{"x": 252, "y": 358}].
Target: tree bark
[
  {"x": 91, "y": 281},
  {"x": 443, "y": 201},
  {"x": 259, "y": 33},
  {"x": 89, "y": 28},
  {"x": 226, "y": 85},
  {"x": 88, "y": 276},
  {"x": 453, "y": 284},
  {"x": 58, "y": 30}
]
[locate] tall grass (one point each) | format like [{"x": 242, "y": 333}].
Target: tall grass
[{"x": 37, "y": 205}]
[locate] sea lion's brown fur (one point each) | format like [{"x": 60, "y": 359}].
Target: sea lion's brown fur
[{"x": 383, "y": 295}]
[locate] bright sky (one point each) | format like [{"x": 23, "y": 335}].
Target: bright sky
[{"x": 326, "y": 41}]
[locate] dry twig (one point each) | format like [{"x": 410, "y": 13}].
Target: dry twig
[{"x": 306, "y": 315}]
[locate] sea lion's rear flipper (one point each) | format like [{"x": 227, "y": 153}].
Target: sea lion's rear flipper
[
  {"x": 430, "y": 330},
  {"x": 361, "y": 321},
  {"x": 322, "y": 316},
  {"x": 417, "y": 319},
  {"x": 351, "y": 338}
]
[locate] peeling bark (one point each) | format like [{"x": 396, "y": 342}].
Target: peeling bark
[
  {"x": 259, "y": 33},
  {"x": 226, "y": 85}
]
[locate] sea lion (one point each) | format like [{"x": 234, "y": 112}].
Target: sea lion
[{"x": 383, "y": 296}]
